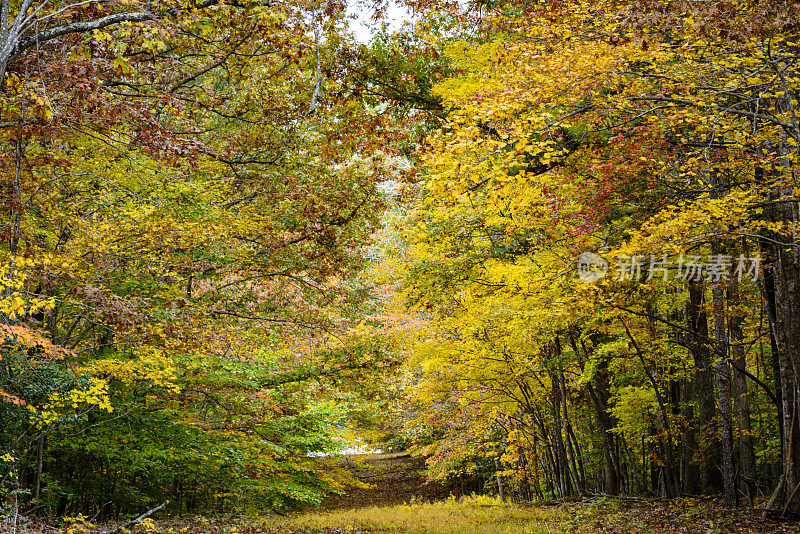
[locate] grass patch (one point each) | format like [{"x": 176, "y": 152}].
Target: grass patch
[
  {"x": 485, "y": 515},
  {"x": 474, "y": 515}
]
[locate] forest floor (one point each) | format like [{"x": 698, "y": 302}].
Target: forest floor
[
  {"x": 399, "y": 501},
  {"x": 394, "y": 478}
]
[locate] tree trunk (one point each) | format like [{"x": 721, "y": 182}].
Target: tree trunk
[
  {"x": 600, "y": 394},
  {"x": 747, "y": 458},
  {"x": 6, "y": 41},
  {"x": 711, "y": 477},
  {"x": 498, "y": 476},
  {"x": 786, "y": 270},
  {"x": 689, "y": 474},
  {"x": 558, "y": 438},
  {"x": 787, "y": 298},
  {"x": 551, "y": 470},
  {"x": 723, "y": 382},
  {"x": 37, "y": 483},
  {"x": 573, "y": 464},
  {"x": 598, "y": 390}
]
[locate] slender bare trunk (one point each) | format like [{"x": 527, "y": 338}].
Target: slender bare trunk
[
  {"x": 573, "y": 465},
  {"x": 498, "y": 475},
  {"x": 704, "y": 388},
  {"x": 558, "y": 438},
  {"x": 723, "y": 383},
  {"x": 747, "y": 459}
]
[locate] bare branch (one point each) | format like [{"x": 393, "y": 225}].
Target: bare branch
[
  {"x": 139, "y": 519},
  {"x": 109, "y": 20}
]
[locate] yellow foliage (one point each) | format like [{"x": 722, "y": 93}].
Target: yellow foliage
[
  {"x": 149, "y": 365},
  {"x": 63, "y": 405}
]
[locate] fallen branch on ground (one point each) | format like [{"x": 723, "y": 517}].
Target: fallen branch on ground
[{"x": 139, "y": 519}]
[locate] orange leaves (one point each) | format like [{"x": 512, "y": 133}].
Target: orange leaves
[
  {"x": 25, "y": 339},
  {"x": 30, "y": 339},
  {"x": 13, "y": 399}
]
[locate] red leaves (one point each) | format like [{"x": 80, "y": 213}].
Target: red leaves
[
  {"x": 727, "y": 19},
  {"x": 117, "y": 310}
]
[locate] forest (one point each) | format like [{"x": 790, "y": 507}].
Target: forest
[{"x": 547, "y": 247}]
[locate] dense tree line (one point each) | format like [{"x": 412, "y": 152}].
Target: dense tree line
[
  {"x": 187, "y": 192},
  {"x": 605, "y": 254},
  {"x": 571, "y": 225}
]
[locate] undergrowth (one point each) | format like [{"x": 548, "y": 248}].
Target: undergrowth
[
  {"x": 472, "y": 515},
  {"x": 478, "y": 515}
]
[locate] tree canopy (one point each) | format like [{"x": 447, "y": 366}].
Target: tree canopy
[{"x": 549, "y": 246}]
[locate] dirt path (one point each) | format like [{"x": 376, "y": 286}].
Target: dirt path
[{"x": 394, "y": 479}]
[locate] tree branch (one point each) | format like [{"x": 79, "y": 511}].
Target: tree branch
[
  {"x": 139, "y": 519},
  {"x": 110, "y": 20}
]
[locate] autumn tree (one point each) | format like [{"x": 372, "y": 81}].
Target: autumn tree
[
  {"x": 591, "y": 129},
  {"x": 184, "y": 196}
]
